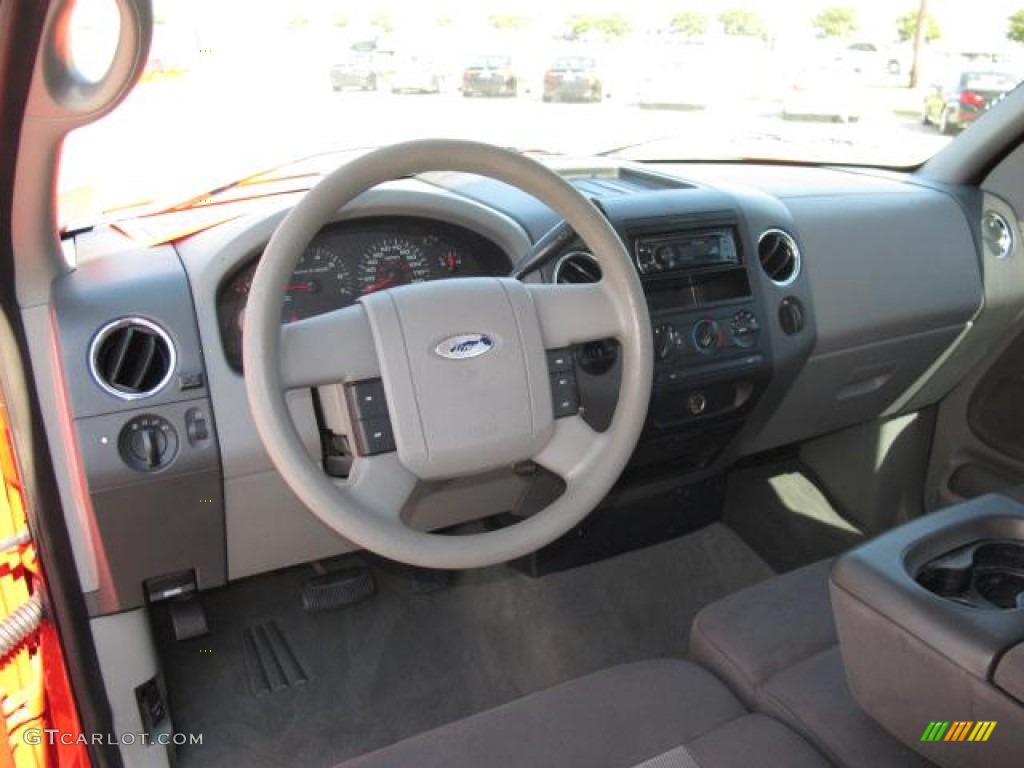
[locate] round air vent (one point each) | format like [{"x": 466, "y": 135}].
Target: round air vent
[
  {"x": 997, "y": 235},
  {"x": 779, "y": 256},
  {"x": 132, "y": 358},
  {"x": 577, "y": 267}
]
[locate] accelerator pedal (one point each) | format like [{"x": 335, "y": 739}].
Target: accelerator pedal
[{"x": 329, "y": 590}]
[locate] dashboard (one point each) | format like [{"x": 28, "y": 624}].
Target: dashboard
[
  {"x": 784, "y": 304},
  {"x": 352, "y": 259}
]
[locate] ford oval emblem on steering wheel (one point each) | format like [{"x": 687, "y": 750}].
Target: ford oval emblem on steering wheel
[{"x": 465, "y": 346}]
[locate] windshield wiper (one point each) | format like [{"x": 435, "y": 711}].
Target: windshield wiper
[{"x": 632, "y": 145}]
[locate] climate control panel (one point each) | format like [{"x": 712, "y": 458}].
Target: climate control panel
[{"x": 692, "y": 339}]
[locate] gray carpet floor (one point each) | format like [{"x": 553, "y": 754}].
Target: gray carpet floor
[
  {"x": 780, "y": 512},
  {"x": 402, "y": 663}
]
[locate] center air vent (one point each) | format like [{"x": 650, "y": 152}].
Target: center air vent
[
  {"x": 577, "y": 267},
  {"x": 132, "y": 358},
  {"x": 779, "y": 256}
]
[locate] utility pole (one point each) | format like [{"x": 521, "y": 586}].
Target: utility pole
[{"x": 919, "y": 38}]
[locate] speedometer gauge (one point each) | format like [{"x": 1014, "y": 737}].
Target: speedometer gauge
[
  {"x": 322, "y": 281},
  {"x": 392, "y": 261}
]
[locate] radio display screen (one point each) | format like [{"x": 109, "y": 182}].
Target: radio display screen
[{"x": 686, "y": 250}]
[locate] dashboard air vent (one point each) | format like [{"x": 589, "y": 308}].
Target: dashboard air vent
[
  {"x": 577, "y": 267},
  {"x": 997, "y": 235},
  {"x": 779, "y": 256},
  {"x": 132, "y": 358}
]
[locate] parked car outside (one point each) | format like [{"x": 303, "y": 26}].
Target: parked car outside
[
  {"x": 953, "y": 104},
  {"x": 357, "y": 69},
  {"x": 573, "y": 78},
  {"x": 491, "y": 75},
  {"x": 414, "y": 73}
]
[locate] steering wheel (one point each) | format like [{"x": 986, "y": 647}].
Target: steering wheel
[{"x": 464, "y": 367}]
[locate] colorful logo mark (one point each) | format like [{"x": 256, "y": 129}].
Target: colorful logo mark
[{"x": 959, "y": 730}]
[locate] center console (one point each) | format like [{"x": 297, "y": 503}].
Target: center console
[
  {"x": 710, "y": 334},
  {"x": 930, "y": 618}
]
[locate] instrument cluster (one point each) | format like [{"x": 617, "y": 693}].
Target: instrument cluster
[{"x": 352, "y": 259}]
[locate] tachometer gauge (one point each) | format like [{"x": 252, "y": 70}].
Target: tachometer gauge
[
  {"x": 322, "y": 281},
  {"x": 392, "y": 261}
]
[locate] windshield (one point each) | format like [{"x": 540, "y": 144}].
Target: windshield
[{"x": 233, "y": 87}]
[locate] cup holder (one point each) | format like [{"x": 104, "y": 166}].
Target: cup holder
[{"x": 985, "y": 574}]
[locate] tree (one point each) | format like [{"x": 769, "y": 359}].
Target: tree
[
  {"x": 837, "y": 21},
  {"x": 1015, "y": 32},
  {"x": 382, "y": 21},
  {"x": 920, "y": 35},
  {"x": 906, "y": 27},
  {"x": 614, "y": 25},
  {"x": 689, "y": 23},
  {"x": 508, "y": 21},
  {"x": 340, "y": 19},
  {"x": 742, "y": 21}
]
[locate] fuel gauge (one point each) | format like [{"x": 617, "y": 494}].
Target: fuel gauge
[{"x": 450, "y": 260}]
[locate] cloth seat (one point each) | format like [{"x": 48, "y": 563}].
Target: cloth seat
[
  {"x": 651, "y": 714},
  {"x": 775, "y": 645}
]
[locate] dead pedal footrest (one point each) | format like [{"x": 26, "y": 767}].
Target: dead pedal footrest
[{"x": 271, "y": 663}]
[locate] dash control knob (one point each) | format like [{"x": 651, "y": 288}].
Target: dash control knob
[
  {"x": 745, "y": 328},
  {"x": 666, "y": 339},
  {"x": 706, "y": 336},
  {"x": 148, "y": 443}
]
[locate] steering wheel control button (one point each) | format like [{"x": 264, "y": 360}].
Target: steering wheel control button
[
  {"x": 148, "y": 443},
  {"x": 565, "y": 395},
  {"x": 706, "y": 336},
  {"x": 560, "y": 360},
  {"x": 367, "y": 399},
  {"x": 374, "y": 436}
]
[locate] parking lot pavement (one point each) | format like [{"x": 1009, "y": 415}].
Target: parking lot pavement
[{"x": 186, "y": 138}]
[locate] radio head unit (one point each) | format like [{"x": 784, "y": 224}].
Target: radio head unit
[{"x": 680, "y": 251}]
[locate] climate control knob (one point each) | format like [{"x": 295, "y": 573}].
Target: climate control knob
[
  {"x": 666, "y": 339},
  {"x": 706, "y": 336}
]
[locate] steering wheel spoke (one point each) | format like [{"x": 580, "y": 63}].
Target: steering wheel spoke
[
  {"x": 327, "y": 349},
  {"x": 381, "y": 484},
  {"x": 572, "y": 314},
  {"x": 571, "y": 447}
]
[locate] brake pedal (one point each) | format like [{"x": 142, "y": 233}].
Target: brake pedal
[{"x": 188, "y": 617}]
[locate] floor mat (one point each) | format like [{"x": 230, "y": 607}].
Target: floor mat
[
  {"x": 403, "y": 663},
  {"x": 783, "y": 515}
]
